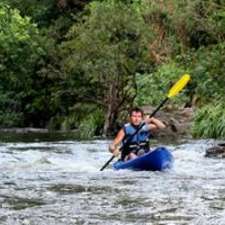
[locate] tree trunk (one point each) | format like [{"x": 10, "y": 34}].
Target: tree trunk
[
  {"x": 110, "y": 113},
  {"x": 116, "y": 99}
]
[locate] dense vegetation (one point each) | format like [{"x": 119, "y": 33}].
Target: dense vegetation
[{"x": 70, "y": 64}]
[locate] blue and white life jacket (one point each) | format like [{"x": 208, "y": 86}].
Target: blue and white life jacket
[{"x": 139, "y": 141}]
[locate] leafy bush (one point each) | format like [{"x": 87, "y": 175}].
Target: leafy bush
[
  {"x": 92, "y": 124},
  {"x": 153, "y": 88},
  {"x": 87, "y": 118},
  {"x": 209, "y": 121},
  {"x": 206, "y": 66},
  {"x": 20, "y": 50},
  {"x": 11, "y": 119},
  {"x": 41, "y": 12}
]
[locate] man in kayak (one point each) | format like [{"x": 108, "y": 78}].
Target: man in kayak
[{"x": 139, "y": 143}]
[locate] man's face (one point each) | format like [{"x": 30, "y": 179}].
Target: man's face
[{"x": 136, "y": 118}]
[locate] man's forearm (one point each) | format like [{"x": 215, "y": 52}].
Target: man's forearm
[{"x": 157, "y": 123}]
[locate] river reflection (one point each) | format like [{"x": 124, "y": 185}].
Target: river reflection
[{"x": 59, "y": 183}]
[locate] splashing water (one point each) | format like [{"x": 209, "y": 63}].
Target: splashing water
[{"x": 60, "y": 183}]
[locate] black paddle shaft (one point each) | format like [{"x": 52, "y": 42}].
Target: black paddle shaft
[
  {"x": 107, "y": 163},
  {"x": 160, "y": 106},
  {"x": 138, "y": 129}
]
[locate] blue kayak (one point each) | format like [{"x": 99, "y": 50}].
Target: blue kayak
[{"x": 157, "y": 160}]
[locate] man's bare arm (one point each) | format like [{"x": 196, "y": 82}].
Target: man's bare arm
[
  {"x": 118, "y": 139},
  {"x": 155, "y": 123}
]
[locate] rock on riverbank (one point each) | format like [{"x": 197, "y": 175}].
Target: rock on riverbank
[{"x": 178, "y": 122}]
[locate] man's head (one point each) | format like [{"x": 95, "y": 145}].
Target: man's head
[{"x": 136, "y": 116}]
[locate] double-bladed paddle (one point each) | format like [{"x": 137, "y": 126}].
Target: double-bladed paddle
[{"x": 174, "y": 90}]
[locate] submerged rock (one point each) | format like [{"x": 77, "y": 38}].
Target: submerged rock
[{"x": 217, "y": 151}]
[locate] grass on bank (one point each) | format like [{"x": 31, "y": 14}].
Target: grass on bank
[{"x": 209, "y": 121}]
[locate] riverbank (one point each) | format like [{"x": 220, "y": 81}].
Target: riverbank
[
  {"x": 178, "y": 125},
  {"x": 29, "y": 134}
]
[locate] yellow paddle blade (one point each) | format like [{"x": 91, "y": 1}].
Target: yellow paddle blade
[{"x": 179, "y": 85}]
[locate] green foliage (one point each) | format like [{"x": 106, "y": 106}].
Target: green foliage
[
  {"x": 8, "y": 110},
  {"x": 65, "y": 66},
  {"x": 206, "y": 65},
  {"x": 208, "y": 73},
  {"x": 191, "y": 22},
  {"x": 92, "y": 124},
  {"x": 184, "y": 25},
  {"x": 88, "y": 118},
  {"x": 111, "y": 42},
  {"x": 153, "y": 88},
  {"x": 19, "y": 51},
  {"x": 41, "y": 12},
  {"x": 19, "y": 47},
  {"x": 209, "y": 121},
  {"x": 11, "y": 119},
  {"x": 192, "y": 36},
  {"x": 103, "y": 53}
]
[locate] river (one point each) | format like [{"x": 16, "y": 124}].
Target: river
[{"x": 59, "y": 182}]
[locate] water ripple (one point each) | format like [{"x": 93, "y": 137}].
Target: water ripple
[{"x": 60, "y": 183}]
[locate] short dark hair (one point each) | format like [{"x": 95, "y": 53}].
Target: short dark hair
[{"x": 136, "y": 109}]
